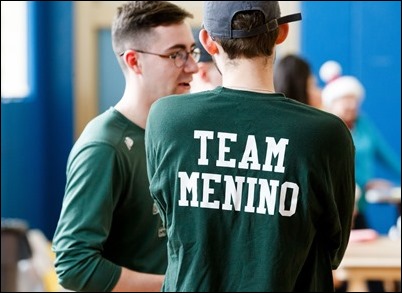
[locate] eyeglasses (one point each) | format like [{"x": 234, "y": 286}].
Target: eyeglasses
[{"x": 180, "y": 57}]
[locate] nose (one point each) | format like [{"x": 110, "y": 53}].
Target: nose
[{"x": 190, "y": 66}]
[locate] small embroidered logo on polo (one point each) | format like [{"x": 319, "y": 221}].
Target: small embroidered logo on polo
[
  {"x": 155, "y": 209},
  {"x": 162, "y": 232},
  {"x": 129, "y": 142}
]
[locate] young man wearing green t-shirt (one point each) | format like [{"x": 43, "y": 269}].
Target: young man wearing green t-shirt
[{"x": 256, "y": 190}]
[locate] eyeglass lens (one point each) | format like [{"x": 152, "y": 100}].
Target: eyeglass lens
[{"x": 182, "y": 57}]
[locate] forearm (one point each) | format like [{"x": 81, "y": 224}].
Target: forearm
[{"x": 132, "y": 281}]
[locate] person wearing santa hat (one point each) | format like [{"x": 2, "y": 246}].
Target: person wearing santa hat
[{"x": 343, "y": 96}]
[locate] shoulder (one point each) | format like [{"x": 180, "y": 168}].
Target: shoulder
[
  {"x": 109, "y": 128},
  {"x": 108, "y": 135},
  {"x": 174, "y": 100},
  {"x": 169, "y": 107},
  {"x": 328, "y": 130},
  {"x": 317, "y": 119}
]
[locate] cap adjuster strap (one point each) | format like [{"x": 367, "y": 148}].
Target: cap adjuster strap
[
  {"x": 289, "y": 18},
  {"x": 268, "y": 27}
]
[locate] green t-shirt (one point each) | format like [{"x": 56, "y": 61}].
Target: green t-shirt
[
  {"x": 108, "y": 218},
  {"x": 256, "y": 191}
]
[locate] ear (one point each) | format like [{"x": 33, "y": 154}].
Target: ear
[
  {"x": 283, "y": 33},
  {"x": 207, "y": 42},
  {"x": 131, "y": 59}
]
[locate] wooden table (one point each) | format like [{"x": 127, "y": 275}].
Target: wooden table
[{"x": 378, "y": 259}]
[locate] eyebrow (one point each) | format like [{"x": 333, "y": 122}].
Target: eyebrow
[{"x": 179, "y": 46}]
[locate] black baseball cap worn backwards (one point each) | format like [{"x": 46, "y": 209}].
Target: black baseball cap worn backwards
[{"x": 218, "y": 16}]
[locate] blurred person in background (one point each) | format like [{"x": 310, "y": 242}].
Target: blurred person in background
[
  {"x": 208, "y": 76},
  {"x": 109, "y": 235},
  {"x": 294, "y": 78},
  {"x": 343, "y": 96}
]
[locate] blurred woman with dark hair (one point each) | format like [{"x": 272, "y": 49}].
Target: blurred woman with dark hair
[{"x": 294, "y": 78}]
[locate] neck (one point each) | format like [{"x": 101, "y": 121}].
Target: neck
[
  {"x": 133, "y": 108},
  {"x": 251, "y": 89},
  {"x": 249, "y": 74}
]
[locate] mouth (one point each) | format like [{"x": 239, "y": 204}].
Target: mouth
[
  {"x": 184, "y": 87},
  {"x": 184, "y": 84}
]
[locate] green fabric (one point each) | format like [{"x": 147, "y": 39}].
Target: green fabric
[
  {"x": 107, "y": 219},
  {"x": 240, "y": 220}
]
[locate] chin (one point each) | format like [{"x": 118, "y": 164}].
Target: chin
[
  {"x": 183, "y": 89},
  {"x": 180, "y": 92}
]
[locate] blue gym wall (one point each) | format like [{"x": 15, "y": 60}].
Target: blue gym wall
[
  {"x": 365, "y": 38},
  {"x": 37, "y": 132}
]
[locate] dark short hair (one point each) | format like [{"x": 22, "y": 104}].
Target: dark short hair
[
  {"x": 259, "y": 45},
  {"x": 134, "y": 19}
]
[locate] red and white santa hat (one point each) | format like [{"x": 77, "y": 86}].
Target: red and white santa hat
[{"x": 338, "y": 86}]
